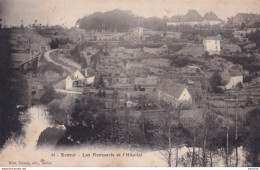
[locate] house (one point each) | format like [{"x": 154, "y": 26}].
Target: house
[
  {"x": 212, "y": 45},
  {"x": 211, "y": 18},
  {"x": 80, "y": 75},
  {"x": 232, "y": 78},
  {"x": 80, "y": 79},
  {"x": 240, "y": 35},
  {"x": 23, "y": 61},
  {"x": 17, "y": 59},
  {"x": 173, "y": 93},
  {"x": 68, "y": 83},
  {"x": 90, "y": 80}
]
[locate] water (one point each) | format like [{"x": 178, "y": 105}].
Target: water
[{"x": 23, "y": 152}]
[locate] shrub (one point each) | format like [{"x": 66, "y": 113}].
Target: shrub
[
  {"x": 215, "y": 81},
  {"x": 175, "y": 47},
  {"x": 49, "y": 94}
]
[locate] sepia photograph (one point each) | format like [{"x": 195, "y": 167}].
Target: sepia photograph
[{"x": 130, "y": 83}]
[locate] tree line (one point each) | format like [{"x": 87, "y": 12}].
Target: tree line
[
  {"x": 118, "y": 21},
  {"x": 14, "y": 93}
]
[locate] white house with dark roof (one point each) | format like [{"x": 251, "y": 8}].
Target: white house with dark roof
[
  {"x": 80, "y": 78},
  {"x": 232, "y": 77},
  {"x": 212, "y": 45},
  {"x": 173, "y": 93}
]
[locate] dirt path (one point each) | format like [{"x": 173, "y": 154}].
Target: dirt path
[{"x": 49, "y": 59}]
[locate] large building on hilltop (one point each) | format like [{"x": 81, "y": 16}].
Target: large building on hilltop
[{"x": 192, "y": 18}]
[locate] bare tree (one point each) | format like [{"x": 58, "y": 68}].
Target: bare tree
[
  {"x": 227, "y": 143},
  {"x": 168, "y": 121},
  {"x": 238, "y": 88}
]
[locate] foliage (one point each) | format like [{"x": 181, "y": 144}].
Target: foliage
[
  {"x": 55, "y": 42},
  {"x": 246, "y": 62},
  {"x": 180, "y": 62},
  {"x": 252, "y": 137},
  {"x": 75, "y": 54},
  {"x": 175, "y": 47},
  {"x": 112, "y": 20},
  {"x": 119, "y": 20},
  {"x": 215, "y": 81},
  {"x": 145, "y": 103},
  {"x": 57, "y": 113},
  {"x": 255, "y": 37},
  {"x": 13, "y": 92},
  {"x": 49, "y": 94}
]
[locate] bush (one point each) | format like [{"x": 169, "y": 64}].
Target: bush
[
  {"x": 49, "y": 94},
  {"x": 215, "y": 81},
  {"x": 57, "y": 113},
  {"x": 176, "y": 47}
]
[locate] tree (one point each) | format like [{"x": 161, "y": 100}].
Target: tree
[
  {"x": 54, "y": 44},
  {"x": 252, "y": 137},
  {"x": 100, "y": 83},
  {"x": 171, "y": 133},
  {"x": 213, "y": 140},
  {"x": 255, "y": 37},
  {"x": 207, "y": 56},
  {"x": 56, "y": 112},
  {"x": 48, "y": 94},
  {"x": 180, "y": 62},
  {"x": 115, "y": 100},
  {"x": 242, "y": 26},
  {"x": 13, "y": 91},
  {"x": 215, "y": 81},
  {"x": 239, "y": 86}
]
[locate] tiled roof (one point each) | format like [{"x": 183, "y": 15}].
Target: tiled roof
[
  {"x": 235, "y": 73},
  {"x": 227, "y": 74},
  {"x": 171, "y": 88}
]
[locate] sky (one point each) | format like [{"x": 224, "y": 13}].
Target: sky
[{"x": 67, "y": 12}]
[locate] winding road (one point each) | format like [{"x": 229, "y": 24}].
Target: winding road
[{"x": 49, "y": 59}]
